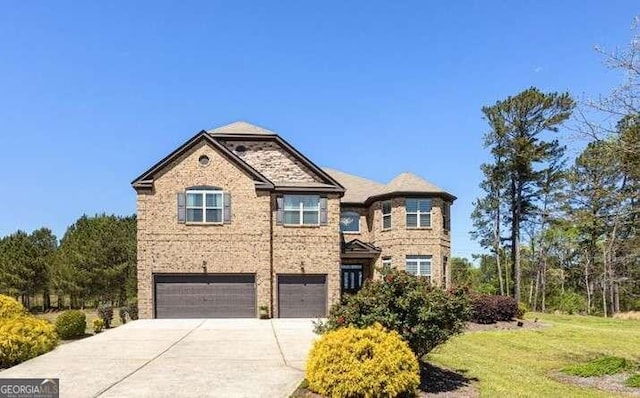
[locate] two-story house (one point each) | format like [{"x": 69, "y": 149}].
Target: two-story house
[{"x": 236, "y": 219}]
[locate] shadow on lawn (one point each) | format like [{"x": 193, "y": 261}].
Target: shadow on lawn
[{"x": 435, "y": 380}]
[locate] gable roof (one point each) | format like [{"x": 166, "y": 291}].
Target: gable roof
[
  {"x": 363, "y": 191},
  {"x": 242, "y": 128},
  {"x": 359, "y": 249},
  {"x": 145, "y": 180},
  {"x": 246, "y": 131}
]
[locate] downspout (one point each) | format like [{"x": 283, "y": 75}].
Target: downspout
[{"x": 271, "y": 279}]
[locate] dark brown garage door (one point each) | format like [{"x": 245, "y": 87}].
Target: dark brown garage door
[
  {"x": 205, "y": 296},
  {"x": 302, "y": 296}
]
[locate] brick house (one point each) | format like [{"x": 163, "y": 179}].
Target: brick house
[{"x": 236, "y": 219}]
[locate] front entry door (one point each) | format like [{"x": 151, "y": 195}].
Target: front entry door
[{"x": 351, "y": 278}]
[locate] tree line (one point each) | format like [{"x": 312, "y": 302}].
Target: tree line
[
  {"x": 94, "y": 262},
  {"x": 560, "y": 229}
]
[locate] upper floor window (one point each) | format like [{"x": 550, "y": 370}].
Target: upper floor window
[
  {"x": 446, "y": 216},
  {"x": 418, "y": 213},
  {"x": 419, "y": 265},
  {"x": 204, "y": 206},
  {"x": 350, "y": 221},
  {"x": 386, "y": 215},
  {"x": 301, "y": 209}
]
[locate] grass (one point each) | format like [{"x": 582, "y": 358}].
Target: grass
[
  {"x": 519, "y": 363},
  {"x": 607, "y": 365},
  {"x": 633, "y": 381},
  {"x": 90, "y": 313},
  {"x": 628, "y": 315}
]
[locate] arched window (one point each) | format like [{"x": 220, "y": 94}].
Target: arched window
[{"x": 350, "y": 221}]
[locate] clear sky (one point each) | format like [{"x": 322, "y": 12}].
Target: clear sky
[{"x": 94, "y": 93}]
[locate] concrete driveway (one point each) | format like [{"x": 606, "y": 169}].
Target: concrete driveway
[{"x": 180, "y": 358}]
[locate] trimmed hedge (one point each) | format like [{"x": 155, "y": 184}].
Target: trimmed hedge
[
  {"x": 23, "y": 338},
  {"x": 487, "y": 308},
  {"x": 10, "y": 307},
  {"x": 367, "y": 362},
  {"x": 71, "y": 324}
]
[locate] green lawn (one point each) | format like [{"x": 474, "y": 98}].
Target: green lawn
[
  {"x": 91, "y": 315},
  {"x": 518, "y": 363}
]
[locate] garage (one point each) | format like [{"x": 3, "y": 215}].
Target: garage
[
  {"x": 205, "y": 296},
  {"x": 302, "y": 296}
]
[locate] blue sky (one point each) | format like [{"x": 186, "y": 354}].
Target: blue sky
[{"x": 93, "y": 93}]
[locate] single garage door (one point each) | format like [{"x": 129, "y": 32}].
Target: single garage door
[
  {"x": 302, "y": 296},
  {"x": 205, "y": 296}
]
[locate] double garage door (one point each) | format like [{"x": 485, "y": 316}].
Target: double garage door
[
  {"x": 234, "y": 296},
  {"x": 205, "y": 296}
]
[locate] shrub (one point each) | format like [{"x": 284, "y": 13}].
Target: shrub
[
  {"x": 23, "y": 338},
  {"x": 599, "y": 367},
  {"x": 105, "y": 312},
  {"x": 71, "y": 324},
  {"x": 491, "y": 309},
  {"x": 122, "y": 314},
  {"x": 98, "y": 325},
  {"x": 367, "y": 362},
  {"x": 569, "y": 303},
  {"x": 133, "y": 311},
  {"x": 10, "y": 307},
  {"x": 633, "y": 381},
  {"x": 424, "y": 316}
]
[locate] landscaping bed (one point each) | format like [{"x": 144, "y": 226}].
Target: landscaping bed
[{"x": 504, "y": 325}]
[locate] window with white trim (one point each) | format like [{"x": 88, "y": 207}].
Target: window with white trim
[
  {"x": 419, "y": 265},
  {"x": 418, "y": 213},
  {"x": 386, "y": 263},
  {"x": 350, "y": 222},
  {"x": 204, "y": 206},
  {"x": 386, "y": 215},
  {"x": 301, "y": 209}
]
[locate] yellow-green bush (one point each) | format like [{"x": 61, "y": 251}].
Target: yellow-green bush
[
  {"x": 25, "y": 337},
  {"x": 369, "y": 362},
  {"x": 9, "y": 307}
]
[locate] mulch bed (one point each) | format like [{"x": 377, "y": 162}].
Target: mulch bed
[
  {"x": 512, "y": 325},
  {"x": 441, "y": 382},
  {"x": 610, "y": 383},
  {"x": 435, "y": 382}
]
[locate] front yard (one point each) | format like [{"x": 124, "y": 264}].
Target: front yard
[{"x": 524, "y": 362}]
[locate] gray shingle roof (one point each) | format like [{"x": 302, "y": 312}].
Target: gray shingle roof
[
  {"x": 240, "y": 127},
  {"x": 408, "y": 182},
  {"x": 359, "y": 190}
]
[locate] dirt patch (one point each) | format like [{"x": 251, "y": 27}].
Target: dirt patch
[
  {"x": 609, "y": 383},
  {"x": 512, "y": 325},
  {"x": 434, "y": 382}
]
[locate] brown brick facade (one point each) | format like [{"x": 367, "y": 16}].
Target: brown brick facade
[{"x": 252, "y": 242}]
